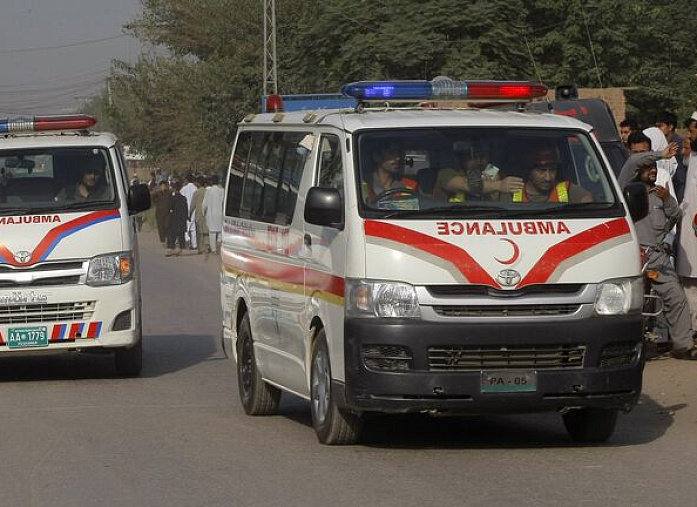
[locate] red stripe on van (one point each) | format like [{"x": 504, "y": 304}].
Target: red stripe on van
[
  {"x": 312, "y": 280},
  {"x": 556, "y": 254},
  {"x": 464, "y": 262}
]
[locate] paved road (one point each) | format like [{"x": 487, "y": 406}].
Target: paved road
[{"x": 75, "y": 435}]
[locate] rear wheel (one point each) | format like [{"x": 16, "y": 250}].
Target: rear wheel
[
  {"x": 258, "y": 397},
  {"x": 590, "y": 424},
  {"x": 333, "y": 425}
]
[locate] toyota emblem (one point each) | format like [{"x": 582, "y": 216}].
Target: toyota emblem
[
  {"x": 23, "y": 257},
  {"x": 508, "y": 277}
]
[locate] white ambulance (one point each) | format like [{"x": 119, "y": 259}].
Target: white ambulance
[
  {"x": 68, "y": 259},
  {"x": 396, "y": 257}
]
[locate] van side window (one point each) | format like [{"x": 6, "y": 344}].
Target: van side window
[
  {"x": 254, "y": 176},
  {"x": 265, "y": 174},
  {"x": 294, "y": 159},
  {"x": 272, "y": 175},
  {"x": 236, "y": 176},
  {"x": 331, "y": 173}
]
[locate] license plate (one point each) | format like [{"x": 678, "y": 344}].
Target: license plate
[
  {"x": 509, "y": 381},
  {"x": 24, "y": 337}
]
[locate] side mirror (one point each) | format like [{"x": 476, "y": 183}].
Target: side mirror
[
  {"x": 637, "y": 199},
  {"x": 324, "y": 206},
  {"x": 138, "y": 198}
]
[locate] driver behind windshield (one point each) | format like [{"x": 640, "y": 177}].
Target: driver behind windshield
[
  {"x": 388, "y": 163},
  {"x": 542, "y": 184},
  {"x": 90, "y": 185}
]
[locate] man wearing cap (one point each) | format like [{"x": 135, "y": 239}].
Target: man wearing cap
[{"x": 664, "y": 213}]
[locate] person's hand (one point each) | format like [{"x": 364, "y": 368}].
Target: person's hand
[
  {"x": 510, "y": 184},
  {"x": 670, "y": 151},
  {"x": 686, "y": 146},
  {"x": 661, "y": 192}
]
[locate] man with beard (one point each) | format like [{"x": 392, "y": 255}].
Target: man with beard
[{"x": 664, "y": 213}]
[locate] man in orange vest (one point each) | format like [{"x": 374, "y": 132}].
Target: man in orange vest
[{"x": 542, "y": 184}]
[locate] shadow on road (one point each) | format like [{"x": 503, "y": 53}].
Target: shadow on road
[
  {"x": 646, "y": 423},
  {"x": 162, "y": 354}
]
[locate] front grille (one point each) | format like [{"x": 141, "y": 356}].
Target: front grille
[
  {"x": 47, "y": 266},
  {"x": 43, "y": 282},
  {"x": 484, "y": 290},
  {"x": 534, "y": 357},
  {"x": 25, "y": 314},
  {"x": 505, "y": 310}
]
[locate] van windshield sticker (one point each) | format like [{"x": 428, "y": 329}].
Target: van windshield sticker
[{"x": 529, "y": 228}]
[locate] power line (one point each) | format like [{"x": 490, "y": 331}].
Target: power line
[{"x": 72, "y": 45}]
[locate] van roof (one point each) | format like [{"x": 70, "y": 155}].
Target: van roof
[
  {"x": 351, "y": 120},
  {"x": 67, "y": 138}
]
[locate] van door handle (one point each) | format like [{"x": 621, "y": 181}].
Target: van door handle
[{"x": 307, "y": 239}]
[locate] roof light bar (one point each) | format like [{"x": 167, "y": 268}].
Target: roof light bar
[
  {"x": 444, "y": 89},
  {"x": 44, "y": 123}
]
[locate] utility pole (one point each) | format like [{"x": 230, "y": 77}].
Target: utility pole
[{"x": 270, "y": 79}]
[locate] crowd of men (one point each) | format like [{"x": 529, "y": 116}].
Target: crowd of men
[
  {"x": 667, "y": 164},
  {"x": 188, "y": 214}
]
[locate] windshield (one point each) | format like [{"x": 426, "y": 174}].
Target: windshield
[
  {"x": 50, "y": 179},
  {"x": 493, "y": 171}
]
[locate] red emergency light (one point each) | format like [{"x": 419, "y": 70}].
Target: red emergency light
[{"x": 45, "y": 123}]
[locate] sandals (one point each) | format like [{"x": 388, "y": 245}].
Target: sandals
[{"x": 689, "y": 354}]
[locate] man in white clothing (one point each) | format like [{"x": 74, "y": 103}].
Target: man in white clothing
[
  {"x": 686, "y": 265},
  {"x": 213, "y": 211},
  {"x": 188, "y": 191}
]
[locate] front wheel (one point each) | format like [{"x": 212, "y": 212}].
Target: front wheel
[
  {"x": 258, "y": 397},
  {"x": 333, "y": 425},
  {"x": 590, "y": 424},
  {"x": 129, "y": 361}
]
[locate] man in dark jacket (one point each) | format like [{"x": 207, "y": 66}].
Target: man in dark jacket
[
  {"x": 176, "y": 227},
  {"x": 162, "y": 197}
]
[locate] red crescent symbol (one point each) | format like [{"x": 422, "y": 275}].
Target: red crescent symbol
[{"x": 514, "y": 257}]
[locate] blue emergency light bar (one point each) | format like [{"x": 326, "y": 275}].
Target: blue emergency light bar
[{"x": 444, "y": 89}]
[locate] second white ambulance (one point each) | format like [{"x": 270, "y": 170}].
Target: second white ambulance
[{"x": 432, "y": 259}]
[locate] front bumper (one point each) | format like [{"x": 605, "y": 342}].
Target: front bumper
[
  {"x": 423, "y": 389},
  {"x": 73, "y": 316}
]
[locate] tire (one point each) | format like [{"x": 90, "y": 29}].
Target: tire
[
  {"x": 590, "y": 424},
  {"x": 257, "y": 397},
  {"x": 129, "y": 361},
  {"x": 333, "y": 425}
]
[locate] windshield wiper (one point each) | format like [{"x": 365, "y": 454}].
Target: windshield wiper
[
  {"x": 82, "y": 205},
  {"x": 457, "y": 209},
  {"x": 572, "y": 207},
  {"x": 15, "y": 211}
]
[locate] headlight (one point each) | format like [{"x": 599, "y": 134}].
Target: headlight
[
  {"x": 368, "y": 298},
  {"x": 112, "y": 269},
  {"x": 619, "y": 297}
]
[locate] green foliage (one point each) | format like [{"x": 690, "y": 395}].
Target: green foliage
[{"x": 180, "y": 103}]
